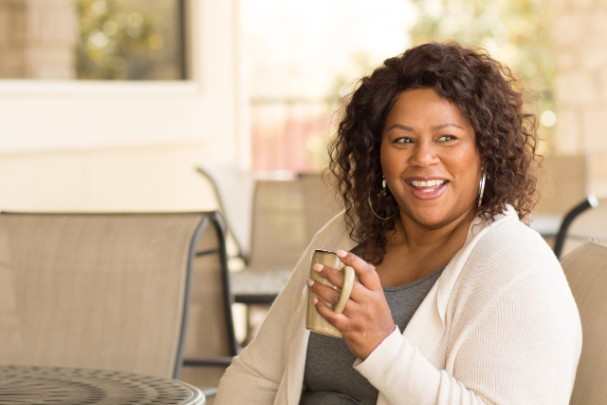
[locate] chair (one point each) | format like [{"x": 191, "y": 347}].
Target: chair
[
  {"x": 563, "y": 230},
  {"x": 233, "y": 188},
  {"x": 586, "y": 271},
  {"x": 278, "y": 238},
  {"x": 111, "y": 290},
  {"x": 209, "y": 350},
  {"x": 561, "y": 185},
  {"x": 320, "y": 201},
  {"x": 585, "y": 221},
  {"x": 271, "y": 220}
]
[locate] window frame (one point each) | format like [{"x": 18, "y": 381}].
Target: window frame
[{"x": 93, "y": 114}]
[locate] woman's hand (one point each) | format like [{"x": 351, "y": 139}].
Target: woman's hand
[{"x": 366, "y": 320}]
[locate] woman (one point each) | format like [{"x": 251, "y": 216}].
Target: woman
[{"x": 458, "y": 301}]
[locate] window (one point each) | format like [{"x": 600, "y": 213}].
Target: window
[{"x": 93, "y": 39}]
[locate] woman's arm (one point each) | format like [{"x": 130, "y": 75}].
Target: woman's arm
[
  {"x": 520, "y": 346},
  {"x": 277, "y": 352},
  {"x": 255, "y": 374}
]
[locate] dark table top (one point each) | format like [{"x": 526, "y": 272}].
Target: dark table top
[
  {"x": 34, "y": 385},
  {"x": 258, "y": 286}
]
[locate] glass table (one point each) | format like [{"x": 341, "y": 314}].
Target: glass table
[{"x": 35, "y": 385}]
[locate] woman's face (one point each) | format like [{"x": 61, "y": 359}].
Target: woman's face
[{"x": 429, "y": 159}]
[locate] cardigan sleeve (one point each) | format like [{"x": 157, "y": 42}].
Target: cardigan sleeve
[
  {"x": 276, "y": 355},
  {"x": 518, "y": 345},
  {"x": 256, "y": 373}
]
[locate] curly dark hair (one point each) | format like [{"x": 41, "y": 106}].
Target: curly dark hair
[{"x": 488, "y": 96}]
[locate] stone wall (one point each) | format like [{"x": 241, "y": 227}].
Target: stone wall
[
  {"x": 580, "y": 44},
  {"x": 37, "y": 39}
]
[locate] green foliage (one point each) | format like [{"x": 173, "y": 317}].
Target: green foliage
[
  {"x": 109, "y": 37},
  {"x": 516, "y": 32}
]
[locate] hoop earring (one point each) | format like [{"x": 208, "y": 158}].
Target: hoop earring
[
  {"x": 383, "y": 193},
  {"x": 481, "y": 188}
]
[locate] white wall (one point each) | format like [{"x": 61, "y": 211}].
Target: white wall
[{"x": 127, "y": 146}]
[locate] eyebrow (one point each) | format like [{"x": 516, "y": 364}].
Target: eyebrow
[{"x": 436, "y": 127}]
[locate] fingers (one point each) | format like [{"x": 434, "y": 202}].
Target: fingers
[
  {"x": 330, "y": 281},
  {"x": 333, "y": 276},
  {"x": 325, "y": 309},
  {"x": 328, "y": 291},
  {"x": 365, "y": 271},
  {"x": 366, "y": 318}
]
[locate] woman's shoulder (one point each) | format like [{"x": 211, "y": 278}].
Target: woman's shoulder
[
  {"x": 508, "y": 235},
  {"x": 507, "y": 249},
  {"x": 512, "y": 261},
  {"x": 516, "y": 240},
  {"x": 333, "y": 235},
  {"x": 335, "y": 224}
]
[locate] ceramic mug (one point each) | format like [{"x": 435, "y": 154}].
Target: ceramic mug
[{"x": 314, "y": 321}]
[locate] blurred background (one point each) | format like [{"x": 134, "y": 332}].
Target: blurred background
[{"x": 112, "y": 104}]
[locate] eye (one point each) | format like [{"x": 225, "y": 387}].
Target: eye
[
  {"x": 404, "y": 139},
  {"x": 446, "y": 138}
]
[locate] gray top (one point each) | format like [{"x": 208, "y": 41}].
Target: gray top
[{"x": 329, "y": 377}]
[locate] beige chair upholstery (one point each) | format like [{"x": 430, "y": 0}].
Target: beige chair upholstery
[
  {"x": 278, "y": 238},
  {"x": 286, "y": 215},
  {"x": 109, "y": 290},
  {"x": 281, "y": 215},
  {"x": 278, "y": 233},
  {"x": 321, "y": 203},
  {"x": 562, "y": 184},
  {"x": 586, "y": 271},
  {"x": 589, "y": 224}
]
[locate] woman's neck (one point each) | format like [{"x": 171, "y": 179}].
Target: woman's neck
[{"x": 414, "y": 251}]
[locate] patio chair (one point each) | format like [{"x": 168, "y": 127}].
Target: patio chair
[
  {"x": 278, "y": 239},
  {"x": 210, "y": 341},
  {"x": 111, "y": 290},
  {"x": 320, "y": 201},
  {"x": 586, "y": 271},
  {"x": 586, "y": 220},
  {"x": 233, "y": 188},
  {"x": 561, "y": 185}
]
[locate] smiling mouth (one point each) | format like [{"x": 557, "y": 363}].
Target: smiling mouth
[{"x": 427, "y": 186}]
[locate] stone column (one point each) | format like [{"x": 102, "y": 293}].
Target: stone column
[
  {"x": 580, "y": 43},
  {"x": 37, "y": 39}
]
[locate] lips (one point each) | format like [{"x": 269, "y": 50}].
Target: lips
[
  {"x": 427, "y": 188},
  {"x": 427, "y": 184}
]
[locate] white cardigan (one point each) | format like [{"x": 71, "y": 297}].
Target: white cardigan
[{"x": 500, "y": 326}]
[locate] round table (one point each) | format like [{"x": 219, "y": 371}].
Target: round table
[{"x": 34, "y": 385}]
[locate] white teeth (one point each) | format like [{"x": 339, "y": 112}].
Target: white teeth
[{"x": 427, "y": 183}]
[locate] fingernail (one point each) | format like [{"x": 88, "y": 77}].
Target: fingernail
[
  {"x": 315, "y": 300},
  {"x": 310, "y": 282},
  {"x": 341, "y": 253},
  {"x": 317, "y": 267}
]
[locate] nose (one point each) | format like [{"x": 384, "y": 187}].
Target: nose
[{"x": 424, "y": 154}]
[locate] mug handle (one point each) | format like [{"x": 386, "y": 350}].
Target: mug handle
[{"x": 344, "y": 296}]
